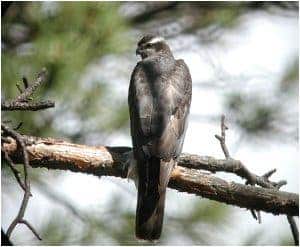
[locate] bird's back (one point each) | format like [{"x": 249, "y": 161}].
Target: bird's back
[
  {"x": 159, "y": 100},
  {"x": 159, "y": 108}
]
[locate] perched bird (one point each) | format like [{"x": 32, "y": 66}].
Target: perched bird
[{"x": 159, "y": 100}]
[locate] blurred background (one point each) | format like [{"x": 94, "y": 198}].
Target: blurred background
[{"x": 243, "y": 58}]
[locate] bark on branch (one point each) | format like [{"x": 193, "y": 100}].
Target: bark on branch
[{"x": 111, "y": 161}]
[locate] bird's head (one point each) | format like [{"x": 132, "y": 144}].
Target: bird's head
[{"x": 151, "y": 46}]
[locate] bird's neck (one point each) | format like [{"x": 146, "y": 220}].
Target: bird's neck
[{"x": 159, "y": 66}]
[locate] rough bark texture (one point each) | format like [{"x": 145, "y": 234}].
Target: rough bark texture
[
  {"x": 111, "y": 161},
  {"x": 26, "y": 106}
]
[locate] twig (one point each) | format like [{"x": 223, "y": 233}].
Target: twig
[
  {"x": 31, "y": 228},
  {"x": 244, "y": 170},
  {"x": 26, "y": 106},
  {"x": 222, "y": 138},
  {"x": 18, "y": 126},
  {"x": 25, "y": 82},
  {"x": 14, "y": 169},
  {"x": 290, "y": 219},
  {"x": 19, "y": 88},
  {"x": 263, "y": 181},
  {"x": 22, "y": 102},
  {"x": 20, "y": 216},
  {"x": 31, "y": 89},
  {"x": 4, "y": 239},
  {"x": 294, "y": 229},
  {"x": 235, "y": 166},
  {"x": 272, "y": 185},
  {"x": 269, "y": 173}
]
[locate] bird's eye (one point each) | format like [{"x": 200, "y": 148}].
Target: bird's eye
[{"x": 148, "y": 45}]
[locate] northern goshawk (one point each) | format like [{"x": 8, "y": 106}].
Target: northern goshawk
[{"x": 159, "y": 100}]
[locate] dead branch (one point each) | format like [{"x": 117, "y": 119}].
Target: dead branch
[
  {"x": 25, "y": 186},
  {"x": 111, "y": 161},
  {"x": 29, "y": 90},
  {"x": 26, "y": 106},
  {"x": 4, "y": 239},
  {"x": 243, "y": 171},
  {"x": 252, "y": 179},
  {"x": 294, "y": 229},
  {"x": 22, "y": 102},
  {"x": 226, "y": 165}
]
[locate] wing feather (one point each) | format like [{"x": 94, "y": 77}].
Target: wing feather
[
  {"x": 159, "y": 120},
  {"x": 158, "y": 116}
]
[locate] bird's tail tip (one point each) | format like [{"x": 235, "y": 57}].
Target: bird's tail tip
[{"x": 145, "y": 236}]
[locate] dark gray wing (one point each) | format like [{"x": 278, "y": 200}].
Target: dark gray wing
[
  {"x": 159, "y": 116},
  {"x": 140, "y": 108},
  {"x": 170, "y": 143}
]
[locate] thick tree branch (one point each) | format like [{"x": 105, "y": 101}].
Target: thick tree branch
[{"x": 111, "y": 161}]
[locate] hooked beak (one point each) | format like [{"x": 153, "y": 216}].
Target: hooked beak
[{"x": 140, "y": 52}]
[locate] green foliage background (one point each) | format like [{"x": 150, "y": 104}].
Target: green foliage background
[{"x": 64, "y": 43}]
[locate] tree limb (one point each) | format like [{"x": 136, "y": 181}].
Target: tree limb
[
  {"x": 111, "y": 161},
  {"x": 26, "y": 106},
  {"x": 294, "y": 229},
  {"x": 22, "y": 102},
  {"x": 4, "y": 239},
  {"x": 263, "y": 181},
  {"x": 241, "y": 170},
  {"x": 26, "y": 185}
]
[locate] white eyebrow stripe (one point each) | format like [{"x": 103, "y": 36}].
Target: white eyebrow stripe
[{"x": 156, "y": 40}]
